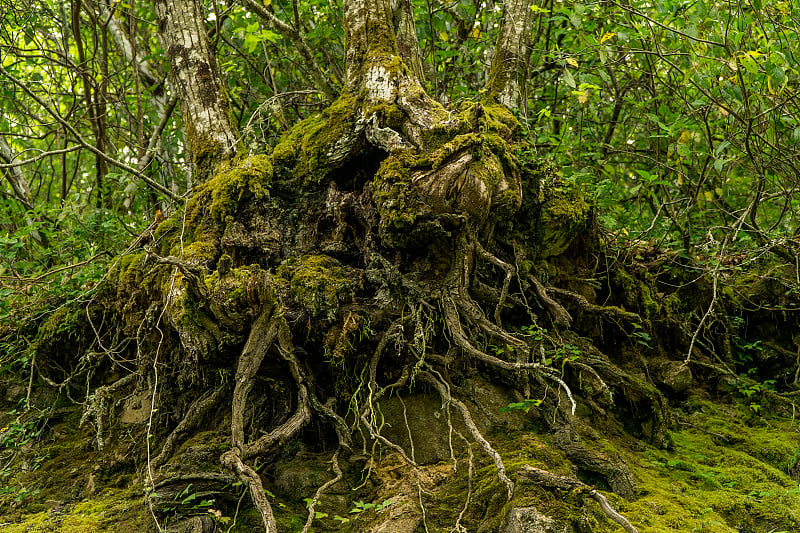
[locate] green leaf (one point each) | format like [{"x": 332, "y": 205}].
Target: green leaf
[{"x": 569, "y": 79}]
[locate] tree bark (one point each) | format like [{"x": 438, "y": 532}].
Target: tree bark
[
  {"x": 20, "y": 186},
  {"x": 210, "y": 133},
  {"x": 509, "y": 69},
  {"x": 383, "y": 63}
]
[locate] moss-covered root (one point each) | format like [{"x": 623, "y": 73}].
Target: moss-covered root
[
  {"x": 549, "y": 480},
  {"x": 266, "y": 329}
]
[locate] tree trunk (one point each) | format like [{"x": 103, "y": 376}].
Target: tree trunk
[
  {"x": 209, "y": 131},
  {"x": 19, "y": 185},
  {"x": 509, "y": 70}
]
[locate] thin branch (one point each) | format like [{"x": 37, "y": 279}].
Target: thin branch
[
  {"x": 127, "y": 168},
  {"x": 314, "y": 70}
]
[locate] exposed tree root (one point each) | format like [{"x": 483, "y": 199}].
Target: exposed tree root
[
  {"x": 588, "y": 307},
  {"x": 252, "y": 480},
  {"x": 449, "y": 305},
  {"x": 199, "y": 408},
  {"x": 97, "y": 407},
  {"x": 470, "y": 464},
  {"x": 557, "y": 312},
  {"x": 550, "y": 480},
  {"x": 588, "y": 459},
  {"x": 321, "y": 490},
  {"x": 473, "y": 429},
  {"x": 262, "y": 334}
]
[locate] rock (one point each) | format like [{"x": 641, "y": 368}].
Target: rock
[
  {"x": 195, "y": 524},
  {"x": 303, "y": 475},
  {"x": 402, "y": 516},
  {"x": 529, "y": 520},
  {"x": 136, "y": 409},
  {"x": 423, "y": 418},
  {"x": 676, "y": 376}
]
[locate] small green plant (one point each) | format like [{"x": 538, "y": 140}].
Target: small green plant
[
  {"x": 524, "y": 405},
  {"x": 360, "y": 507},
  {"x": 20, "y": 432},
  {"x": 745, "y": 351},
  {"x": 751, "y": 390},
  {"x": 641, "y": 336},
  {"x": 534, "y": 331},
  {"x": 500, "y": 350},
  {"x": 21, "y": 493},
  {"x": 187, "y": 499},
  {"x": 563, "y": 354}
]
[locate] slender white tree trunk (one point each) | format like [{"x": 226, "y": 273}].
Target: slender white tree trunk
[
  {"x": 509, "y": 69},
  {"x": 210, "y": 133}
]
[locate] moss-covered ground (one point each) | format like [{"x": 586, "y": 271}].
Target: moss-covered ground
[{"x": 727, "y": 469}]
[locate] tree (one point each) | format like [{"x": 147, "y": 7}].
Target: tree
[{"x": 402, "y": 244}]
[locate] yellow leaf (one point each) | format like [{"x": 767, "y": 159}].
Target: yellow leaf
[
  {"x": 769, "y": 85},
  {"x": 267, "y": 3},
  {"x": 709, "y": 195},
  {"x": 443, "y": 35},
  {"x": 475, "y": 33},
  {"x": 606, "y": 36},
  {"x": 572, "y": 62},
  {"x": 583, "y": 96}
]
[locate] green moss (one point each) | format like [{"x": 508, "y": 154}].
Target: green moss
[
  {"x": 202, "y": 251},
  {"x": 113, "y": 510},
  {"x": 721, "y": 476},
  {"x": 564, "y": 215},
  {"x": 221, "y": 195},
  {"x": 397, "y": 202},
  {"x": 165, "y": 228},
  {"x": 501, "y": 120},
  {"x": 65, "y": 319},
  {"x": 319, "y": 283},
  {"x": 127, "y": 271},
  {"x": 306, "y": 151},
  {"x": 636, "y": 294}
]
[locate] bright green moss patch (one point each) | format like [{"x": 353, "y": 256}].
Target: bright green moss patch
[
  {"x": 65, "y": 319},
  {"x": 319, "y": 283},
  {"x": 565, "y": 214},
  {"x": 111, "y": 511},
  {"x": 722, "y": 476},
  {"x": 398, "y": 204},
  {"x": 307, "y": 150},
  {"x": 221, "y": 195}
]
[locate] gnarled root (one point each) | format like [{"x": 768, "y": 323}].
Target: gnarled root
[
  {"x": 266, "y": 329},
  {"x": 199, "y": 408},
  {"x": 550, "y": 480},
  {"x": 321, "y": 490},
  {"x": 252, "y": 480}
]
